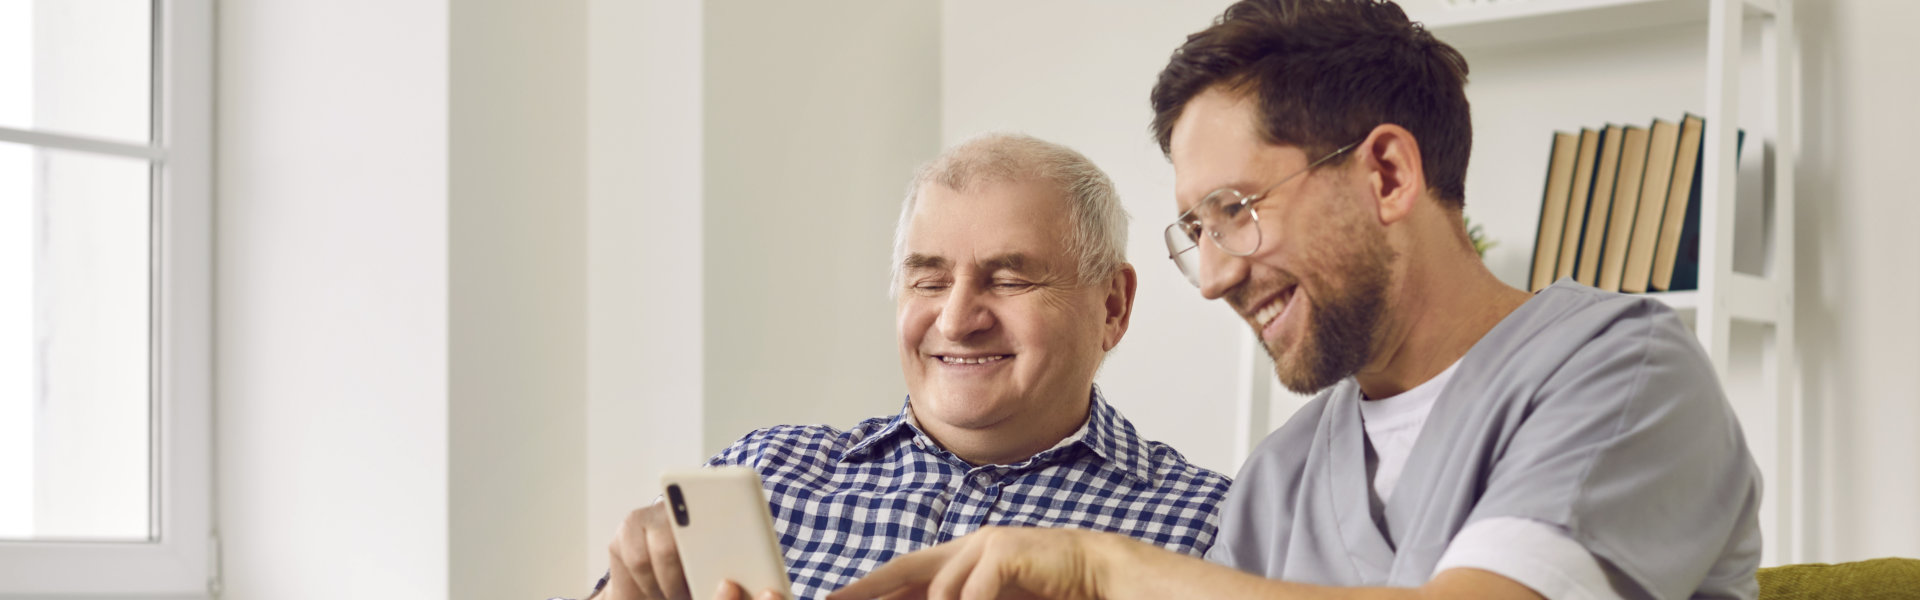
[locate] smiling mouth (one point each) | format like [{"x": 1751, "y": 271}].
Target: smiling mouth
[
  {"x": 1274, "y": 307},
  {"x": 973, "y": 360}
]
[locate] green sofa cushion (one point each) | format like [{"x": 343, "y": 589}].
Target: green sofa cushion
[{"x": 1882, "y": 578}]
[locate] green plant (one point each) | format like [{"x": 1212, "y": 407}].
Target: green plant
[{"x": 1478, "y": 235}]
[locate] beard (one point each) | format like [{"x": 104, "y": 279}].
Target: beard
[{"x": 1348, "y": 300}]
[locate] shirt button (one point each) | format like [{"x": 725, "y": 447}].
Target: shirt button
[{"x": 982, "y": 480}]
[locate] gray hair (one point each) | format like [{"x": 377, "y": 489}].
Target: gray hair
[{"x": 1098, "y": 238}]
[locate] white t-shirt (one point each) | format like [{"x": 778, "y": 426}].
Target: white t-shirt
[{"x": 1539, "y": 555}]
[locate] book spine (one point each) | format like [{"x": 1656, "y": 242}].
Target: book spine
[
  {"x": 1575, "y": 231},
  {"x": 1553, "y": 207},
  {"x": 1626, "y": 206},
  {"x": 1587, "y": 272},
  {"x": 1662, "y": 148}
]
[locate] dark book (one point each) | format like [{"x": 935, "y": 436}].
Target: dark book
[
  {"x": 1663, "y": 146},
  {"x": 1686, "y": 268},
  {"x": 1599, "y": 206},
  {"x": 1553, "y": 209},
  {"x": 1626, "y": 205},
  {"x": 1575, "y": 231}
]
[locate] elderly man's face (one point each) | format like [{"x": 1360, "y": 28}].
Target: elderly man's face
[{"x": 993, "y": 322}]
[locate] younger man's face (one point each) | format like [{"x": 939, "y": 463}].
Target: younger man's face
[{"x": 1315, "y": 290}]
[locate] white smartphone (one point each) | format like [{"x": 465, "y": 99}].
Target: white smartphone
[{"x": 723, "y": 529}]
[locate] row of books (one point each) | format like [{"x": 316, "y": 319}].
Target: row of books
[{"x": 1621, "y": 211}]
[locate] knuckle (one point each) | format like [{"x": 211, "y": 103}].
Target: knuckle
[{"x": 637, "y": 562}]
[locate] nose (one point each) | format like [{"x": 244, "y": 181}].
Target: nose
[
  {"x": 1219, "y": 271},
  {"x": 965, "y": 313}
]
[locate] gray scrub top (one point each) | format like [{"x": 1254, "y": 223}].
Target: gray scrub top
[{"x": 1594, "y": 411}]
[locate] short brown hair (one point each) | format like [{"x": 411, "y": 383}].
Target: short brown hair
[{"x": 1325, "y": 72}]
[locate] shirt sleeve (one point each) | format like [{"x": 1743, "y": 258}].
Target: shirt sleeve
[
  {"x": 1535, "y": 554},
  {"x": 1632, "y": 449}
]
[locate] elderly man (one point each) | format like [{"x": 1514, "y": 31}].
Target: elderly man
[
  {"x": 1011, "y": 285},
  {"x": 1472, "y": 440}
]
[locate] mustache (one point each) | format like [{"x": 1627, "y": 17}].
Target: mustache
[{"x": 1255, "y": 289}]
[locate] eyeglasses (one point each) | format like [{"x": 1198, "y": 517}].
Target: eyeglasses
[{"x": 1228, "y": 218}]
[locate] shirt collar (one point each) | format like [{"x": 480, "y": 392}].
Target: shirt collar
[
  {"x": 901, "y": 424},
  {"x": 1107, "y": 434},
  {"x": 1113, "y": 438}
]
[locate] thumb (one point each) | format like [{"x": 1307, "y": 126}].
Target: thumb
[{"x": 728, "y": 590}]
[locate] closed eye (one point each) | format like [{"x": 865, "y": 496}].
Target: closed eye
[{"x": 1231, "y": 210}]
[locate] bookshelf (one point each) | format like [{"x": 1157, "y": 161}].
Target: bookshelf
[{"x": 1737, "y": 69}]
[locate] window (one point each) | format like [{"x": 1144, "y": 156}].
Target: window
[{"x": 105, "y": 264}]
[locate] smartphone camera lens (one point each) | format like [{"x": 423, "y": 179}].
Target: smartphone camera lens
[{"x": 678, "y": 503}]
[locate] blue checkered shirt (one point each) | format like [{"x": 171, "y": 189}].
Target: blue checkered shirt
[{"x": 845, "y": 502}]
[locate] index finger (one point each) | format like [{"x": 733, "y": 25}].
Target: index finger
[{"x": 915, "y": 569}]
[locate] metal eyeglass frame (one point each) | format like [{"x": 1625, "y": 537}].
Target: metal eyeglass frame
[{"x": 1246, "y": 203}]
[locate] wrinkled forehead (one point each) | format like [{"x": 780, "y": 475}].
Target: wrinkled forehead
[{"x": 989, "y": 220}]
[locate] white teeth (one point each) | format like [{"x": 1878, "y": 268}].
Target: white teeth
[
  {"x": 1272, "y": 309},
  {"x": 954, "y": 360}
]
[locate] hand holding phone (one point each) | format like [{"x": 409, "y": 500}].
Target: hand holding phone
[
  {"x": 723, "y": 530},
  {"x": 712, "y": 526}
]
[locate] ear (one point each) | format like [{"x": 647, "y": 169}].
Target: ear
[
  {"x": 1119, "y": 304},
  {"x": 1391, "y": 157}
]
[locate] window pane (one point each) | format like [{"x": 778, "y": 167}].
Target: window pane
[
  {"x": 80, "y": 67},
  {"x": 74, "y": 346}
]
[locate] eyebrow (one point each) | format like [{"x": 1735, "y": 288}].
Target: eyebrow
[
  {"x": 1011, "y": 261},
  {"x": 917, "y": 261},
  {"x": 1238, "y": 185}
]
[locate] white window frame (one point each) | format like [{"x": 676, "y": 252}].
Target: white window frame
[{"x": 180, "y": 561}]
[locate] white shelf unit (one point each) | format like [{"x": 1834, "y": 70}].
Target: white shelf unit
[{"x": 1725, "y": 295}]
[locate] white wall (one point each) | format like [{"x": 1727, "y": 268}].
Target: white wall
[
  {"x": 517, "y": 297},
  {"x": 1859, "y": 330},
  {"x": 815, "y": 115},
  {"x": 331, "y": 298},
  {"x": 559, "y": 353},
  {"x": 644, "y": 345},
  {"x": 402, "y": 299}
]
